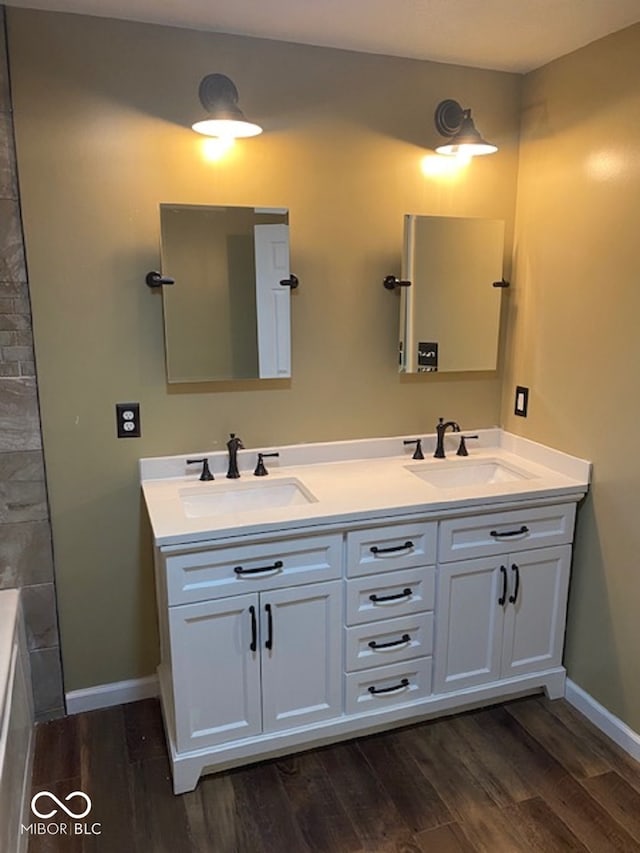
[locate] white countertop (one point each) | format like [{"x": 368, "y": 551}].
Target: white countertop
[{"x": 353, "y": 480}]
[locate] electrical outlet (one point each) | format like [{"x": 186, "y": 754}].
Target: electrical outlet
[
  {"x": 128, "y": 420},
  {"x": 522, "y": 401}
]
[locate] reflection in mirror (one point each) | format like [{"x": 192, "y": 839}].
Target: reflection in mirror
[
  {"x": 450, "y": 316},
  {"x": 227, "y": 316}
]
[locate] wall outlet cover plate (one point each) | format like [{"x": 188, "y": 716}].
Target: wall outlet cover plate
[
  {"x": 522, "y": 401},
  {"x": 128, "y": 420}
]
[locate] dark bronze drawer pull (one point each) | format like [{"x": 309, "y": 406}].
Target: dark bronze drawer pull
[
  {"x": 498, "y": 535},
  {"x": 376, "y": 690},
  {"x": 277, "y": 565},
  {"x": 393, "y": 549},
  {"x": 404, "y": 594},
  {"x": 404, "y": 639}
]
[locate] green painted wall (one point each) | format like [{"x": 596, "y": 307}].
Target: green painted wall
[
  {"x": 574, "y": 335},
  {"x": 102, "y": 115}
]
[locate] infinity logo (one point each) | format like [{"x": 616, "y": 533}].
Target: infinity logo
[{"x": 64, "y": 808}]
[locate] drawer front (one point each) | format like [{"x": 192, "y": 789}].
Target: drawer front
[
  {"x": 502, "y": 532},
  {"x": 395, "y": 546},
  {"x": 388, "y": 641},
  {"x": 389, "y": 595},
  {"x": 386, "y": 686},
  {"x": 220, "y": 572}
]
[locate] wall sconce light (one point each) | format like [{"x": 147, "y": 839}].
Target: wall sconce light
[
  {"x": 219, "y": 96},
  {"x": 456, "y": 123}
]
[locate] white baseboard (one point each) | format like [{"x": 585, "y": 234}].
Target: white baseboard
[
  {"x": 608, "y": 723},
  {"x": 107, "y": 695},
  {"x": 120, "y": 692}
]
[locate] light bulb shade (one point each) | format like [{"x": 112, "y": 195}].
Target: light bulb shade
[
  {"x": 219, "y": 96},
  {"x": 452, "y": 121},
  {"x": 224, "y": 127}
]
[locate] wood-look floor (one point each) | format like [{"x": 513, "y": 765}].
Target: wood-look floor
[{"x": 530, "y": 775}]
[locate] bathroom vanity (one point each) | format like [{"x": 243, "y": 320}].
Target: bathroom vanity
[{"x": 355, "y": 589}]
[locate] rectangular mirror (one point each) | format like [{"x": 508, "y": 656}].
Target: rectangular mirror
[
  {"x": 227, "y": 316},
  {"x": 450, "y": 315}
]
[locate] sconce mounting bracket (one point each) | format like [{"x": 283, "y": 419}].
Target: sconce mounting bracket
[
  {"x": 390, "y": 282},
  {"x": 448, "y": 117},
  {"x": 293, "y": 281},
  {"x": 217, "y": 89},
  {"x": 156, "y": 279}
]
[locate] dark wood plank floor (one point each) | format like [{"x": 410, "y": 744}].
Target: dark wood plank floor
[{"x": 530, "y": 775}]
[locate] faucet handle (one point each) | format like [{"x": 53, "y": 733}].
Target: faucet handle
[
  {"x": 417, "y": 453},
  {"x": 206, "y": 473},
  {"x": 236, "y": 440},
  {"x": 462, "y": 448},
  {"x": 261, "y": 471}
]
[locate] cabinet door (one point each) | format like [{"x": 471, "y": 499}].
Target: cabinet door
[
  {"x": 216, "y": 674},
  {"x": 534, "y": 622},
  {"x": 301, "y": 638},
  {"x": 469, "y": 621}
]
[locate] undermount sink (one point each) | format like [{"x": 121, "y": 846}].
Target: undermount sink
[
  {"x": 231, "y": 497},
  {"x": 464, "y": 473}
]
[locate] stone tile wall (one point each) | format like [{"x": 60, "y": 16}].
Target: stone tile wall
[{"x": 25, "y": 534}]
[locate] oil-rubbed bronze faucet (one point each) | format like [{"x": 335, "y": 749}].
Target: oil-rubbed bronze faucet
[
  {"x": 441, "y": 428},
  {"x": 233, "y": 445}
]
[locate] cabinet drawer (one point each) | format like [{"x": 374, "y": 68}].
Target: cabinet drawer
[
  {"x": 501, "y": 532},
  {"x": 391, "y": 594},
  {"x": 388, "y": 641},
  {"x": 220, "y": 572},
  {"x": 395, "y": 546},
  {"x": 385, "y": 686}
]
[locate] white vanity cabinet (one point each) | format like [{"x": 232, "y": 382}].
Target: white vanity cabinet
[
  {"x": 502, "y": 615},
  {"x": 354, "y": 590},
  {"x": 251, "y": 643},
  {"x": 281, "y": 636}
]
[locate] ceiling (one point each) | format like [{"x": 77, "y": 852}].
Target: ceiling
[{"x": 507, "y": 35}]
